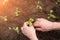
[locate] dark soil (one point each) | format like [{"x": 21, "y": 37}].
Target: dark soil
[{"x": 28, "y": 10}]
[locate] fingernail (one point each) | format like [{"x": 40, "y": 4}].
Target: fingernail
[{"x": 38, "y": 19}]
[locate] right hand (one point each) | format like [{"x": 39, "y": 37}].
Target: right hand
[{"x": 43, "y": 25}]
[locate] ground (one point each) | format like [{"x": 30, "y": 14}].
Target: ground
[{"x": 27, "y": 10}]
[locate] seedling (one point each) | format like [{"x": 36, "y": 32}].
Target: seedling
[
  {"x": 39, "y": 6},
  {"x": 30, "y": 21},
  {"x": 15, "y": 29},
  {"x": 4, "y": 18},
  {"x": 10, "y": 28},
  {"x": 51, "y": 15},
  {"x": 17, "y": 12},
  {"x": 58, "y": 2}
]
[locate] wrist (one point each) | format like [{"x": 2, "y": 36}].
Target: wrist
[
  {"x": 56, "y": 25},
  {"x": 34, "y": 38}
]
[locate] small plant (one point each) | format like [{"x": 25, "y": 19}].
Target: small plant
[
  {"x": 15, "y": 29},
  {"x": 51, "y": 15},
  {"x": 58, "y": 2},
  {"x": 39, "y": 6},
  {"x": 30, "y": 21},
  {"x": 10, "y": 28},
  {"x": 17, "y": 12},
  {"x": 4, "y": 18}
]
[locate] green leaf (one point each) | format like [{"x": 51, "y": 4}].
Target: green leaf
[
  {"x": 51, "y": 11},
  {"x": 49, "y": 17},
  {"x": 30, "y": 21},
  {"x": 53, "y": 16},
  {"x": 39, "y": 7},
  {"x": 10, "y": 28},
  {"x": 58, "y": 0},
  {"x": 17, "y": 12},
  {"x": 16, "y": 29},
  {"x": 4, "y": 18},
  {"x": 13, "y": 28}
]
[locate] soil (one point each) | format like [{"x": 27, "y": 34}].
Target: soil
[{"x": 27, "y": 10}]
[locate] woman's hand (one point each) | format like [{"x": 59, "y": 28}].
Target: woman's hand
[
  {"x": 29, "y": 31},
  {"x": 43, "y": 25}
]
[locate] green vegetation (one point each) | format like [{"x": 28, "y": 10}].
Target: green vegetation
[
  {"x": 15, "y": 29},
  {"x": 51, "y": 15},
  {"x": 38, "y": 6},
  {"x": 4, "y": 18},
  {"x": 10, "y": 28},
  {"x": 30, "y": 21},
  {"x": 58, "y": 2},
  {"x": 17, "y": 12}
]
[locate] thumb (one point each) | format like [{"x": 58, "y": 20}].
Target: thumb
[{"x": 25, "y": 24}]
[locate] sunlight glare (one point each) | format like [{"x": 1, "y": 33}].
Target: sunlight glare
[{"x": 5, "y": 1}]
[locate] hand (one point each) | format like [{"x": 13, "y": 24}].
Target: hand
[
  {"x": 29, "y": 31},
  {"x": 43, "y": 25}
]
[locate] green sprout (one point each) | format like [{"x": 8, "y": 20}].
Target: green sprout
[
  {"x": 17, "y": 12},
  {"x": 30, "y": 21},
  {"x": 58, "y": 2},
  {"x": 4, "y": 18},
  {"x": 51, "y": 15},
  {"x": 10, "y": 28},
  {"x": 15, "y": 29},
  {"x": 39, "y": 6}
]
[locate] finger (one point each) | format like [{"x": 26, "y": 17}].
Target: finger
[
  {"x": 42, "y": 19},
  {"x": 37, "y": 19},
  {"x": 25, "y": 24},
  {"x": 36, "y": 24},
  {"x": 21, "y": 28},
  {"x": 32, "y": 26},
  {"x": 39, "y": 29}
]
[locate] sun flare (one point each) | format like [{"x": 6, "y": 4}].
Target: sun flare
[{"x": 5, "y": 1}]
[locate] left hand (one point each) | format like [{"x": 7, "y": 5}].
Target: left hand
[
  {"x": 29, "y": 31},
  {"x": 43, "y": 25}
]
